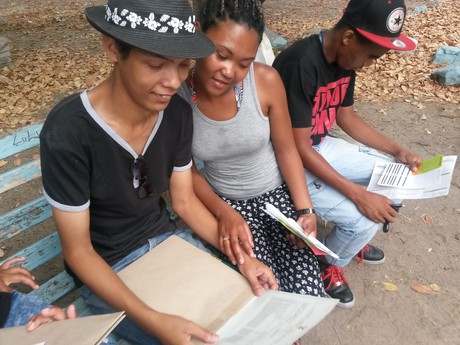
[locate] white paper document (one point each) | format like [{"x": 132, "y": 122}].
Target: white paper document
[
  {"x": 399, "y": 175},
  {"x": 317, "y": 247},
  {"x": 276, "y": 318},
  {"x": 430, "y": 184}
]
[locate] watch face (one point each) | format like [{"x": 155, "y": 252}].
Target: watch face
[{"x": 395, "y": 20}]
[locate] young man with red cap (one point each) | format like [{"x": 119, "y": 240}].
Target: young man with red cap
[{"x": 319, "y": 75}]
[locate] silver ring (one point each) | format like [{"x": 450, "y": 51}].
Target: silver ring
[{"x": 225, "y": 238}]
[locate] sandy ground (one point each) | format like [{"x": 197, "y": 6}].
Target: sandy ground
[{"x": 422, "y": 247}]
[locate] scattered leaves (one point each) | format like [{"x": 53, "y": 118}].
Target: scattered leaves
[
  {"x": 435, "y": 287},
  {"x": 387, "y": 286},
  {"x": 420, "y": 288},
  {"x": 425, "y": 289},
  {"x": 428, "y": 219}
]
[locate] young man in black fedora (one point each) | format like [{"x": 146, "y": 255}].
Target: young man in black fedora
[
  {"x": 110, "y": 152},
  {"x": 319, "y": 75}
]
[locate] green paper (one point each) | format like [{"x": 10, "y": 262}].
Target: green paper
[{"x": 429, "y": 164}]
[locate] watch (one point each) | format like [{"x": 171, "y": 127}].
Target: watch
[{"x": 303, "y": 211}]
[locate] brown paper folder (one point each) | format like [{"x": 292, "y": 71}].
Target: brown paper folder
[
  {"x": 89, "y": 330},
  {"x": 178, "y": 278}
]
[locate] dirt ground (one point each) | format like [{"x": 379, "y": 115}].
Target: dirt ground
[{"x": 55, "y": 53}]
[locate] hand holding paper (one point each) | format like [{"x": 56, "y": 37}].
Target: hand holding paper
[
  {"x": 431, "y": 180},
  {"x": 316, "y": 246}
]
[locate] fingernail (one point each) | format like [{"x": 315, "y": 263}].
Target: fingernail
[
  {"x": 253, "y": 255},
  {"x": 241, "y": 261}
]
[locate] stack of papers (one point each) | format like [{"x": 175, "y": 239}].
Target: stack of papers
[
  {"x": 397, "y": 181},
  {"x": 316, "y": 246}
]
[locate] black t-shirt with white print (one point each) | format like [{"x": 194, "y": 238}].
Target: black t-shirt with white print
[
  {"x": 315, "y": 88},
  {"x": 85, "y": 164}
]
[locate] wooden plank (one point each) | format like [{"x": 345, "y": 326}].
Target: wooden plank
[
  {"x": 20, "y": 175},
  {"x": 21, "y": 140},
  {"x": 39, "y": 252},
  {"x": 55, "y": 288},
  {"x": 24, "y": 217}
]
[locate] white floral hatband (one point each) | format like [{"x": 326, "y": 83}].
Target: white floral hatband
[{"x": 148, "y": 21}]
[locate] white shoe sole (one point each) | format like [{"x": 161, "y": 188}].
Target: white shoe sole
[
  {"x": 371, "y": 262},
  {"x": 344, "y": 305}
]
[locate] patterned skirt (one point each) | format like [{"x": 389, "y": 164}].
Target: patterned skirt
[{"x": 296, "y": 270}]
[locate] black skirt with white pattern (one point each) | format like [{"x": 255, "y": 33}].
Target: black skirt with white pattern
[{"x": 296, "y": 270}]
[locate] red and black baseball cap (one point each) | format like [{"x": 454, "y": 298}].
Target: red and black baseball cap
[{"x": 380, "y": 21}]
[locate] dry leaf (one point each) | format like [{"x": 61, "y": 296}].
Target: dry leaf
[
  {"x": 17, "y": 162},
  {"x": 3, "y": 163},
  {"x": 389, "y": 286},
  {"x": 420, "y": 288},
  {"x": 435, "y": 287},
  {"x": 428, "y": 219},
  {"x": 2, "y": 253}
]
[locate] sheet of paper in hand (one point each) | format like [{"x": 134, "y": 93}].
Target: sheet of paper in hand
[
  {"x": 431, "y": 180},
  {"x": 316, "y": 246},
  {"x": 89, "y": 330},
  {"x": 399, "y": 175},
  {"x": 179, "y": 279}
]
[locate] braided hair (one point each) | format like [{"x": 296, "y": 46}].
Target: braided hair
[{"x": 248, "y": 12}]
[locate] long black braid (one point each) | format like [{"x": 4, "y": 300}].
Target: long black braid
[{"x": 248, "y": 12}]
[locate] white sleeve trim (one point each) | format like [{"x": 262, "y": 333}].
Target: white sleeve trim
[
  {"x": 186, "y": 167},
  {"x": 63, "y": 207}
]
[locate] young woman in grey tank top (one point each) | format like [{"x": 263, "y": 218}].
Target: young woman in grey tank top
[{"x": 242, "y": 133}]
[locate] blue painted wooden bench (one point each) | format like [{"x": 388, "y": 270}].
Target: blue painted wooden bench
[{"x": 30, "y": 214}]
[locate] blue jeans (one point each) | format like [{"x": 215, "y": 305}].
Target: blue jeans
[
  {"x": 353, "y": 230},
  {"x": 127, "y": 329},
  {"x": 23, "y": 307}
]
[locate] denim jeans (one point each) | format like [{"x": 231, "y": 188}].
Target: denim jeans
[
  {"x": 352, "y": 229},
  {"x": 23, "y": 307},
  {"x": 127, "y": 329}
]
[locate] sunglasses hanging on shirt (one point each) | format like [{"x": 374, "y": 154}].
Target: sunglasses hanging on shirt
[{"x": 141, "y": 179}]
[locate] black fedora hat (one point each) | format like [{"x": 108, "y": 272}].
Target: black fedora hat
[{"x": 164, "y": 27}]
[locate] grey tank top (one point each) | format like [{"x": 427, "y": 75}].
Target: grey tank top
[{"x": 238, "y": 156}]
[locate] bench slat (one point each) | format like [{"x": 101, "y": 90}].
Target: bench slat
[
  {"x": 21, "y": 140},
  {"x": 24, "y": 217},
  {"x": 19, "y": 175},
  {"x": 55, "y": 288},
  {"x": 40, "y": 252}
]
